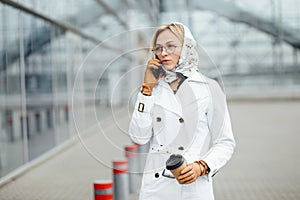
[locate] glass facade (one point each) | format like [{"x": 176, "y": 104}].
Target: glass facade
[
  {"x": 62, "y": 59},
  {"x": 38, "y": 65},
  {"x": 245, "y": 40}
]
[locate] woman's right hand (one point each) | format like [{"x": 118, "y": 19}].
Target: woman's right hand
[{"x": 149, "y": 77}]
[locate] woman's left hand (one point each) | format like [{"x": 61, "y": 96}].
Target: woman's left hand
[{"x": 190, "y": 173}]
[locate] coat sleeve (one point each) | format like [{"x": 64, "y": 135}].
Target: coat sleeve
[
  {"x": 219, "y": 123},
  {"x": 140, "y": 127}
]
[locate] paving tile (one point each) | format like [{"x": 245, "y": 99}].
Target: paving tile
[{"x": 264, "y": 166}]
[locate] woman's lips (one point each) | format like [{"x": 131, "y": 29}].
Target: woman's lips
[{"x": 165, "y": 61}]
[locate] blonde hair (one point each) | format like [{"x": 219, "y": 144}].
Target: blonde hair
[{"x": 176, "y": 29}]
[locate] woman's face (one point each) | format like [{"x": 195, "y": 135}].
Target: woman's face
[{"x": 168, "y": 48}]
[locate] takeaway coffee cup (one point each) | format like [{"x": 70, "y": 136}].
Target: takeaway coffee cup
[{"x": 175, "y": 164}]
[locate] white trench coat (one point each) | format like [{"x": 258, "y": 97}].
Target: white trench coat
[{"x": 194, "y": 123}]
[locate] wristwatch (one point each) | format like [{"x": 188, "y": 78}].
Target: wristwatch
[{"x": 147, "y": 89}]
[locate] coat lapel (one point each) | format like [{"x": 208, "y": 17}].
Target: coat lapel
[{"x": 166, "y": 99}]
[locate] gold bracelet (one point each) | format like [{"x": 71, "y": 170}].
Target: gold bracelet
[
  {"x": 207, "y": 170},
  {"x": 202, "y": 169}
]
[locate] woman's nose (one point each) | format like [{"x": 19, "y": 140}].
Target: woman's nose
[{"x": 164, "y": 51}]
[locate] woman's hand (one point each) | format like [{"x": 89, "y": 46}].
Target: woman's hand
[
  {"x": 149, "y": 77},
  {"x": 190, "y": 173}
]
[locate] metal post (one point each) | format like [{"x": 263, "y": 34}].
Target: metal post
[
  {"x": 142, "y": 155},
  {"x": 23, "y": 90},
  {"x": 133, "y": 167},
  {"x": 103, "y": 190},
  {"x": 120, "y": 174}
]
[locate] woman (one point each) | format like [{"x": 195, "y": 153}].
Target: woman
[{"x": 180, "y": 111}]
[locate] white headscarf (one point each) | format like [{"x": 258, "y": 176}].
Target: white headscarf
[{"x": 189, "y": 58}]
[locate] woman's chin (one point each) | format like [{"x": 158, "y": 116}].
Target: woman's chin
[{"x": 169, "y": 67}]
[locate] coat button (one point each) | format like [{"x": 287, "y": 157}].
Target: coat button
[
  {"x": 181, "y": 148},
  {"x": 156, "y": 175},
  {"x": 181, "y": 120},
  {"x": 158, "y": 119}
]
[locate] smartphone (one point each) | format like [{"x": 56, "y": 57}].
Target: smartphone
[{"x": 156, "y": 72}]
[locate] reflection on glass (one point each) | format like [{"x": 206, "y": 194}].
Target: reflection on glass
[{"x": 46, "y": 110}]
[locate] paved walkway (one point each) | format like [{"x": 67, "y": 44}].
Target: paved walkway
[{"x": 264, "y": 166}]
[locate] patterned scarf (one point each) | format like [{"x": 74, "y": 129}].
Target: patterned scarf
[{"x": 189, "y": 58}]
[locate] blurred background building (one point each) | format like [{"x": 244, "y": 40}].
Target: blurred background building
[{"x": 62, "y": 58}]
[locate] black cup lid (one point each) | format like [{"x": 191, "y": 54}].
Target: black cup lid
[{"x": 174, "y": 161}]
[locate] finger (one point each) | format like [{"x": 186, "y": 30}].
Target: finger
[
  {"x": 155, "y": 62},
  {"x": 152, "y": 66},
  {"x": 186, "y": 169},
  {"x": 191, "y": 181},
  {"x": 185, "y": 175},
  {"x": 188, "y": 179}
]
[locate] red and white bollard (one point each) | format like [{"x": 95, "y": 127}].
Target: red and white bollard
[
  {"x": 103, "y": 190},
  {"x": 121, "y": 183},
  {"x": 133, "y": 167}
]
